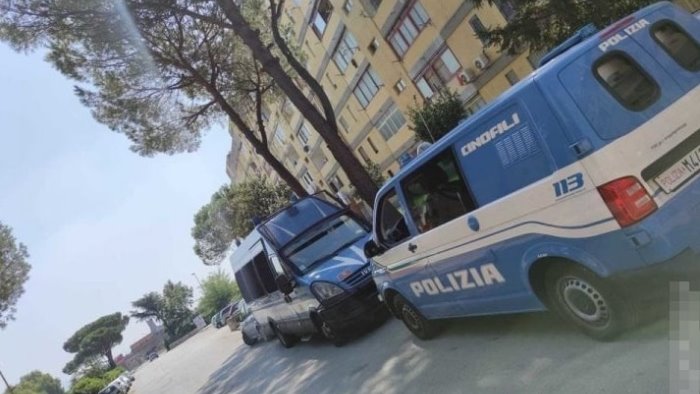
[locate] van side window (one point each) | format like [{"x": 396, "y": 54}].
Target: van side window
[
  {"x": 626, "y": 81},
  {"x": 392, "y": 223},
  {"x": 436, "y": 193},
  {"x": 678, "y": 44}
]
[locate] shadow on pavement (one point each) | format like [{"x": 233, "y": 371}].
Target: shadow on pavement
[{"x": 509, "y": 353}]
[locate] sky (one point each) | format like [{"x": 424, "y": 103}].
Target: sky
[{"x": 103, "y": 225}]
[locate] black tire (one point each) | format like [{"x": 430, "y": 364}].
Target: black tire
[
  {"x": 286, "y": 340},
  {"x": 247, "y": 339},
  {"x": 413, "y": 320},
  {"x": 331, "y": 334},
  {"x": 586, "y": 300}
]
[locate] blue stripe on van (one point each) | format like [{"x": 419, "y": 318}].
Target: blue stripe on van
[{"x": 578, "y": 227}]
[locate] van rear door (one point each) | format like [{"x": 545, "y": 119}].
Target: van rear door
[
  {"x": 672, "y": 39},
  {"x": 640, "y": 113},
  {"x": 618, "y": 86}
]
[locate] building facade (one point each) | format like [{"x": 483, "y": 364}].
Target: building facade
[{"x": 376, "y": 59}]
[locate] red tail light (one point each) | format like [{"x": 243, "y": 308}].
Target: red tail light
[{"x": 628, "y": 200}]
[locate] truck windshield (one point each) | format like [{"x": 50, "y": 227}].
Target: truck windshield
[{"x": 323, "y": 241}]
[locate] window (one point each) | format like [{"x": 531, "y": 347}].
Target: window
[
  {"x": 363, "y": 154},
  {"x": 334, "y": 182},
  {"x": 436, "y": 193},
  {"x": 507, "y": 8},
  {"x": 278, "y": 138},
  {"x": 410, "y": 23},
  {"x": 303, "y": 134},
  {"x": 478, "y": 28},
  {"x": 308, "y": 180},
  {"x": 371, "y": 145},
  {"x": 345, "y": 50},
  {"x": 678, "y": 44},
  {"x": 438, "y": 72},
  {"x": 392, "y": 223},
  {"x": 512, "y": 77},
  {"x": 344, "y": 124},
  {"x": 321, "y": 16},
  {"x": 626, "y": 81},
  {"x": 347, "y": 6},
  {"x": 390, "y": 124},
  {"x": 367, "y": 87}
]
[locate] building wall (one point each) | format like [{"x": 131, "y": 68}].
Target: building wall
[{"x": 361, "y": 122}]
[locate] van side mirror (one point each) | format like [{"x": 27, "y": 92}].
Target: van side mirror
[
  {"x": 285, "y": 284},
  {"x": 372, "y": 249}
]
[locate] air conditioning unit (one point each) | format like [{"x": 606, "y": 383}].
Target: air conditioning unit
[
  {"x": 482, "y": 62},
  {"x": 467, "y": 76}
]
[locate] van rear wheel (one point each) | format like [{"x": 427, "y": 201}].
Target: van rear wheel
[
  {"x": 414, "y": 321},
  {"x": 247, "y": 339},
  {"x": 287, "y": 340},
  {"x": 587, "y": 301}
]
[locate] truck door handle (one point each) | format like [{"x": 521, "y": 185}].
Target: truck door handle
[{"x": 412, "y": 247}]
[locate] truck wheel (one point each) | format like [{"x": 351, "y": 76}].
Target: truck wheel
[
  {"x": 330, "y": 334},
  {"x": 584, "y": 299},
  {"x": 287, "y": 340},
  {"x": 414, "y": 321},
  {"x": 247, "y": 339}
]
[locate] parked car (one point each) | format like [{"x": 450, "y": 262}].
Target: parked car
[
  {"x": 302, "y": 272},
  {"x": 152, "y": 356},
  {"x": 128, "y": 376},
  {"x": 123, "y": 382},
  {"x": 112, "y": 388},
  {"x": 570, "y": 187},
  {"x": 224, "y": 314}
]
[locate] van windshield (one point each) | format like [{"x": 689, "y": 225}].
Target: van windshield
[
  {"x": 323, "y": 241},
  {"x": 295, "y": 219}
]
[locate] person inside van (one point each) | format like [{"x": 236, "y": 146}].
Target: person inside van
[{"x": 438, "y": 201}]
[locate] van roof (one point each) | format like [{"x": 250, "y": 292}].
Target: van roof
[{"x": 558, "y": 59}]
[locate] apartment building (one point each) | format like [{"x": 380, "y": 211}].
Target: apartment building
[{"x": 376, "y": 59}]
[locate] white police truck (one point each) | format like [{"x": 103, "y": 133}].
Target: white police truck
[{"x": 578, "y": 178}]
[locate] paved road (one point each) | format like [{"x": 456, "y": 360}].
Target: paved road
[{"x": 532, "y": 353}]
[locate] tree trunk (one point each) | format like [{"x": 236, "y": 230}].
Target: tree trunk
[
  {"x": 110, "y": 359},
  {"x": 327, "y": 128},
  {"x": 260, "y": 148}
]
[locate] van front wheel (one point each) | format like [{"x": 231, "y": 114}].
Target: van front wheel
[
  {"x": 414, "y": 321},
  {"x": 584, "y": 299}
]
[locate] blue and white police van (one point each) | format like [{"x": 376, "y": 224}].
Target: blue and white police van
[
  {"x": 303, "y": 271},
  {"x": 575, "y": 178}
]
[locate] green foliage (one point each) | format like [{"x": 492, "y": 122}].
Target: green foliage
[
  {"x": 375, "y": 172},
  {"x": 437, "y": 117},
  {"x": 14, "y": 272},
  {"x": 542, "y": 24},
  {"x": 147, "y": 69},
  {"x": 96, "y": 338},
  {"x": 218, "y": 290},
  {"x": 92, "y": 384},
  {"x": 37, "y": 382},
  {"x": 172, "y": 308},
  {"x": 88, "y": 385},
  {"x": 230, "y": 215}
]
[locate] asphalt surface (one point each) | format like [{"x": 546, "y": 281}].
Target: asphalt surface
[{"x": 529, "y": 353}]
